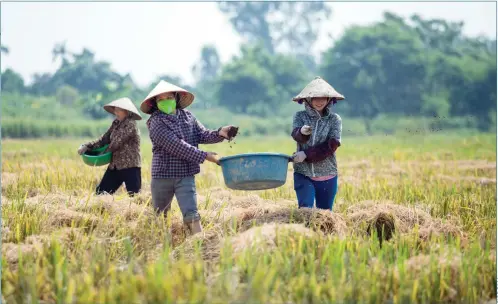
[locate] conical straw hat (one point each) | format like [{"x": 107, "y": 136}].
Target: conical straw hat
[
  {"x": 125, "y": 104},
  {"x": 318, "y": 88},
  {"x": 186, "y": 98}
]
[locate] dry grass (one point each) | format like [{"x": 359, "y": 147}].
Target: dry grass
[
  {"x": 266, "y": 237},
  {"x": 435, "y": 219}
]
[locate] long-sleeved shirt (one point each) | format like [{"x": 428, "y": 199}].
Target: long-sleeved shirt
[
  {"x": 321, "y": 145},
  {"x": 123, "y": 138},
  {"x": 175, "y": 140}
]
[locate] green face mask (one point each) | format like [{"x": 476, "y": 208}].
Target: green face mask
[{"x": 167, "y": 106}]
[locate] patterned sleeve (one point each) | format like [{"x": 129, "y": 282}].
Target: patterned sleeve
[
  {"x": 297, "y": 123},
  {"x": 336, "y": 128},
  {"x": 103, "y": 140},
  {"x": 164, "y": 137},
  {"x": 327, "y": 148},
  {"x": 122, "y": 135},
  {"x": 207, "y": 136}
]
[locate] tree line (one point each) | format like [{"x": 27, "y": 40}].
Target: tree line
[{"x": 397, "y": 67}]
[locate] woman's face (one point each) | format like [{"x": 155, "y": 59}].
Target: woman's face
[
  {"x": 120, "y": 114},
  {"x": 163, "y": 106},
  {"x": 319, "y": 103},
  {"x": 163, "y": 96}
]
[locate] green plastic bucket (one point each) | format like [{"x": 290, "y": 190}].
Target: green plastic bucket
[{"x": 97, "y": 160}]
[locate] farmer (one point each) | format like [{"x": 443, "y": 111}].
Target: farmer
[
  {"x": 317, "y": 131},
  {"x": 175, "y": 134},
  {"x": 123, "y": 138}
]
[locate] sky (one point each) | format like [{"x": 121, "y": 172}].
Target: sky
[{"x": 156, "y": 38}]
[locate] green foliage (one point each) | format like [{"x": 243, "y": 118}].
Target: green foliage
[
  {"x": 15, "y": 105},
  {"x": 396, "y": 74},
  {"x": 12, "y": 82},
  {"x": 28, "y": 128},
  {"x": 259, "y": 83},
  {"x": 278, "y": 25},
  {"x": 67, "y": 95},
  {"x": 426, "y": 67}
]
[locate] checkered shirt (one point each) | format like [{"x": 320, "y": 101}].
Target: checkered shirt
[{"x": 175, "y": 140}]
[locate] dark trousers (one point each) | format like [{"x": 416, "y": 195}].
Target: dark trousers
[
  {"x": 308, "y": 191},
  {"x": 113, "y": 179}
]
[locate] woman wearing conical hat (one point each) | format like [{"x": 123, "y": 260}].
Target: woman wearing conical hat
[
  {"x": 176, "y": 134},
  {"x": 317, "y": 131},
  {"x": 123, "y": 138}
]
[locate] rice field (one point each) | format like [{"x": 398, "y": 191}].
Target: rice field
[{"x": 414, "y": 222}]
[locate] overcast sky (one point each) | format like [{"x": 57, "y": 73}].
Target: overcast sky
[{"x": 140, "y": 38}]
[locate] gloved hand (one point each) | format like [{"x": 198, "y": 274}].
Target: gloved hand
[
  {"x": 82, "y": 149},
  {"x": 306, "y": 130},
  {"x": 299, "y": 157}
]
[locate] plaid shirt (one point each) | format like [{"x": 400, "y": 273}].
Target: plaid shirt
[{"x": 175, "y": 140}]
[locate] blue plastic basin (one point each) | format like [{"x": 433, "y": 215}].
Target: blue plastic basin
[{"x": 255, "y": 171}]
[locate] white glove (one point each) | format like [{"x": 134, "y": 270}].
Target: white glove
[
  {"x": 306, "y": 130},
  {"x": 299, "y": 157},
  {"x": 82, "y": 149}
]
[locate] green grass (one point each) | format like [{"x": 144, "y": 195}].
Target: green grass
[{"x": 78, "y": 248}]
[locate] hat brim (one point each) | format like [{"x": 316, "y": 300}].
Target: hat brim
[
  {"x": 186, "y": 99},
  {"x": 318, "y": 88},
  {"x": 299, "y": 98},
  {"x": 110, "y": 109}
]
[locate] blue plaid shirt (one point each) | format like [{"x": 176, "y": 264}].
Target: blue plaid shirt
[{"x": 175, "y": 140}]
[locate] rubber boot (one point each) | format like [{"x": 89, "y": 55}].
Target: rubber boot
[{"x": 195, "y": 227}]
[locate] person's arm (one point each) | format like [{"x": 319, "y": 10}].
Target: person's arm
[
  {"x": 321, "y": 151},
  {"x": 164, "y": 137},
  {"x": 103, "y": 140},
  {"x": 207, "y": 136},
  {"x": 296, "y": 134},
  {"x": 327, "y": 148},
  {"x": 122, "y": 135}
]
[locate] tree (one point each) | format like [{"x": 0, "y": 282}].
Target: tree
[
  {"x": 12, "y": 82},
  {"x": 42, "y": 84},
  {"x": 67, "y": 95},
  {"x": 83, "y": 73},
  {"x": 277, "y": 25},
  {"x": 60, "y": 51},
  {"x": 422, "y": 67},
  {"x": 380, "y": 68},
  {"x": 260, "y": 83},
  {"x": 205, "y": 72},
  {"x": 208, "y": 67}
]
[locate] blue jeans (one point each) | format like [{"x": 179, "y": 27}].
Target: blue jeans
[
  {"x": 307, "y": 190},
  {"x": 163, "y": 191}
]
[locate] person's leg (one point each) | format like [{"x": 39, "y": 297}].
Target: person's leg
[
  {"x": 163, "y": 191},
  {"x": 186, "y": 196},
  {"x": 305, "y": 191},
  {"x": 325, "y": 193},
  {"x": 133, "y": 180},
  {"x": 111, "y": 181}
]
